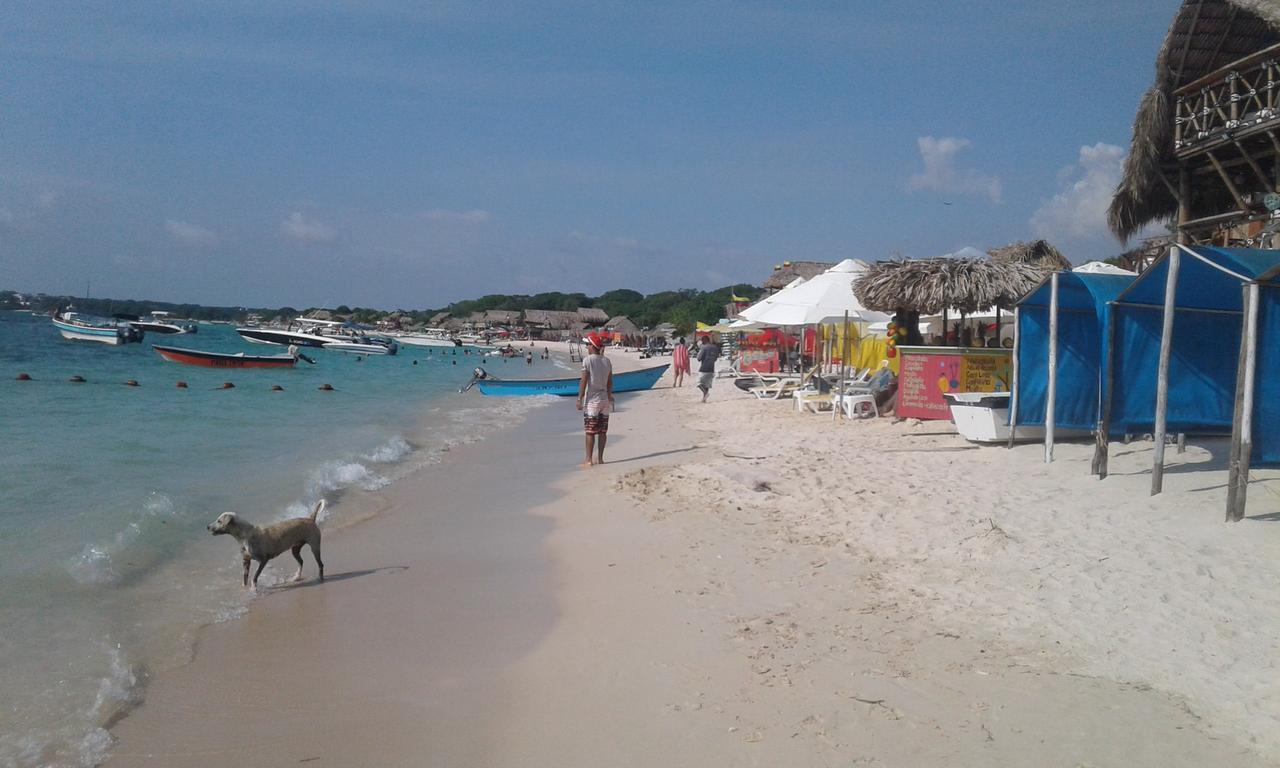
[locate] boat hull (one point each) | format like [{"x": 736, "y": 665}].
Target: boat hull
[
  {"x": 631, "y": 381},
  {"x": 221, "y": 359},
  {"x": 427, "y": 341},
  {"x": 360, "y": 349},
  {"x": 165, "y": 329},
  {"x": 281, "y": 338},
  {"x": 112, "y": 336}
]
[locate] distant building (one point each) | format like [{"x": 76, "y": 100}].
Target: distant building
[
  {"x": 623, "y": 325},
  {"x": 438, "y": 319},
  {"x": 593, "y": 316},
  {"x": 501, "y": 317}
]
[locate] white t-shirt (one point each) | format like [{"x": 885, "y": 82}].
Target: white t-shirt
[{"x": 598, "y": 368}]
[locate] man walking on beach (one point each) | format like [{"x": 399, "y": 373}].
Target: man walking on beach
[
  {"x": 708, "y": 353},
  {"x": 595, "y": 398}
]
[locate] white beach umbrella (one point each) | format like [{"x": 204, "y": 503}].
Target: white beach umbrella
[
  {"x": 823, "y": 298},
  {"x": 1101, "y": 268}
]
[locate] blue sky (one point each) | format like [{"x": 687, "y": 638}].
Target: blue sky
[{"x": 406, "y": 154}]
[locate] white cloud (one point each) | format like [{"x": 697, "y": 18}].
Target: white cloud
[
  {"x": 307, "y": 230},
  {"x": 189, "y": 234},
  {"x": 474, "y": 216},
  {"x": 940, "y": 173},
  {"x": 1079, "y": 210},
  {"x": 966, "y": 252}
]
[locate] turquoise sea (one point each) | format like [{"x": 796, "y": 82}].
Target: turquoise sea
[{"x": 106, "y": 569}]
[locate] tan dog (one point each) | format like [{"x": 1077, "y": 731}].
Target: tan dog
[{"x": 262, "y": 544}]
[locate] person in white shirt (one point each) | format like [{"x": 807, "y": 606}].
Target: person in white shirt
[{"x": 595, "y": 398}]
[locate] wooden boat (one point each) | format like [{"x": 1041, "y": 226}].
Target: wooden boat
[
  {"x": 223, "y": 359},
  {"x": 631, "y": 381},
  {"x": 78, "y": 327}
]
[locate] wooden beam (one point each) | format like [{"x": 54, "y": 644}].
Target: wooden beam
[
  {"x": 1245, "y": 433},
  {"x": 1257, "y": 169},
  {"x": 1270, "y": 52},
  {"x": 1231, "y": 185},
  {"x": 1162, "y": 372},
  {"x": 1191, "y": 32}
]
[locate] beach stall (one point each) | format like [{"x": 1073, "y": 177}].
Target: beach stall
[
  {"x": 1062, "y": 329},
  {"x": 1187, "y": 355},
  {"x": 912, "y": 288}
]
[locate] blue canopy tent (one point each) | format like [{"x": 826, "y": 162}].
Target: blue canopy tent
[
  {"x": 1061, "y": 340},
  {"x": 1185, "y": 357}
]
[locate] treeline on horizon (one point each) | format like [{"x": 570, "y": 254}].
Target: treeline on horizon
[{"x": 681, "y": 308}]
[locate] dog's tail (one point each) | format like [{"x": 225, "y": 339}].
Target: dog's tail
[{"x": 316, "y": 512}]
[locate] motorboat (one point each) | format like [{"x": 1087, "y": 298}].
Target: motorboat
[
  {"x": 363, "y": 345},
  {"x": 77, "y": 327},
  {"x": 162, "y": 323},
  {"x": 630, "y": 381},
  {"x": 223, "y": 359},
  {"x": 431, "y": 337},
  {"x": 302, "y": 331},
  {"x": 983, "y": 417}
]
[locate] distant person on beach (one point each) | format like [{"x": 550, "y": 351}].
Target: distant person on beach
[
  {"x": 708, "y": 353},
  {"x": 595, "y": 398},
  {"x": 679, "y": 362}
]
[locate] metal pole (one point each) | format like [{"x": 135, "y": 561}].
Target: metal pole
[
  {"x": 1052, "y": 392},
  {"x": 837, "y": 402},
  {"x": 1013, "y": 387},
  {"x": 1162, "y": 373}
]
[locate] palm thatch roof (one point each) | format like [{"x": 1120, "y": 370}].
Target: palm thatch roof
[
  {"x": 929, "y": 286},
  {"x": 787, "y": 271},
  {"x": 593, "y": 315},
  {"x": 438, "y": 318},
  {"x": 1205, "y": 36},
  {"x": 1040, "y": 253}
]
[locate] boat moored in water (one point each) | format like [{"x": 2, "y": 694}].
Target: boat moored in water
[
  {"x": 364, "y": 345},
  {"x": 77, "y": 327},
  {"x": 432, "y": 337},
  {"x": 223, "y": 359},
  {"x": 630, "y": 381},
  {"x": 162, "y": 323}
]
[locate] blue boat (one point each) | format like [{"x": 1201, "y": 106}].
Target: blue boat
[{"x": 631, "y": 381}]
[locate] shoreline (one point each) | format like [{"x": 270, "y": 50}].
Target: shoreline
[{"x": 698, "y": 600}]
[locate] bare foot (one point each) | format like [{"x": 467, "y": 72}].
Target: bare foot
[{"x": 585, "y": 465}]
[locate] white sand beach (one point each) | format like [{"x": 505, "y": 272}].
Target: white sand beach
[{"x": 744, "y": 585}]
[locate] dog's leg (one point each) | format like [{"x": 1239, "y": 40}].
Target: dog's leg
[
  {"x": 246, "y": 559},
  {"x": 315, "y": 552},
  {"x": 297, "y": 555},
  {"x": 261, "y": 564}
]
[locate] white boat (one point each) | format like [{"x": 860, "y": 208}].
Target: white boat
[
  {"x": 983, "y": 417},
  {"x": 432, "y": 337},
  {"x": 161, "y": 322},
  {"x": 363, "y": 346},
  {"x": 79, "y": 327}
]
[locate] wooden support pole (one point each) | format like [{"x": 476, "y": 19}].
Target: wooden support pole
[
  {"x": 1184, "y": 203},
  {"x": 1244, "y": 454},
  {"x": 1182, "y": 442},
  {"x": 1013, "y": 386},
  {"x": 1052, "y": 392},
  {"x": 1257, "y": 169},
  {"x": 1162, "y": 373},
  {"x": 1107, "y": 379},
  {"x": 837, "y": 401},
  {"x": 1231, "y": 185},
  {"x": 1233, "y": 456}
]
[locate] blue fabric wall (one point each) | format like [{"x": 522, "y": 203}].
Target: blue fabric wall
[
  {"x": 1202, "y": 370},
  {"x": 1266, "y": 393},
  {"x": 1080, "y": 348}
]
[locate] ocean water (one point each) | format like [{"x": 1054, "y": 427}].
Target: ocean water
[{"x": 106, "y": 570}]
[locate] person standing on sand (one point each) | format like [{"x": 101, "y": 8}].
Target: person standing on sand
[
  {"x": 679, "y": 362},
  {"x": 708, "y": 353},
  {"x": 595, "y": 398}
]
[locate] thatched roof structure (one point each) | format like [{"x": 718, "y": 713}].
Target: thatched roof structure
[
  {"x": 787, "y": 271},
  {"x": 438, "y": 318},
  {"x": 502, "y": 316},
  {"x": 622, "y": 324},
  {"x": 1205, "y": 36},
  {"x": 929, "y": 286},
  {"x": 1038, "y": 253},
  {"x": 550, "y": 319},
  {"x": 593, "y": 315}
]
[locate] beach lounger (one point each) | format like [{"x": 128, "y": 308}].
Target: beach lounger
[{"x": 776, "y": 389}]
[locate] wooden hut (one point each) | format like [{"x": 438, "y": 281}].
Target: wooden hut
[
  {"x": 787, "y": 271},
  {"x": 1206, "y": 139},
  {"x": 594, "y": 317}
]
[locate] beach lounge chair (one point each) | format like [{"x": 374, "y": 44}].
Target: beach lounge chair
[{"x": 777, "y": 388}]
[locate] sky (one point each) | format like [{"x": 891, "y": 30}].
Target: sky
[{"x": 408, "y": 154}]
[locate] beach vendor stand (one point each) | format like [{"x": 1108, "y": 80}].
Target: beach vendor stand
[{"x": 930, "y": 377}]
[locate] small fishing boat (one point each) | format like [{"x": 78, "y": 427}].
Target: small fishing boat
[
  {"x": 77, "y": 327},
  {"x": 223, "y": 359},
  {"x": 631, "y": 381}
]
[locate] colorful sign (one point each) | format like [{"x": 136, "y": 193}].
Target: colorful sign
[
  {"x": 763, "y": 360},
  {"x": 925, "y": 376}
]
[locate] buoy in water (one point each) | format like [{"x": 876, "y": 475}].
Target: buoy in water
[
  {"x": 277, "y": 388},
  {"x": 76, "y": 379},
  {"x": 415, "y": 362},
  {"x": 131, "y": 383},
  {"x": 227, "y": 385},
  {"x": 23, "y": 377},
  {"x": 326, "y": 387},
  {"x": 182, "y": 385}
]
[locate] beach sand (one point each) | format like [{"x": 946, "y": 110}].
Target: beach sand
[{"x": 744, "y": 585}]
